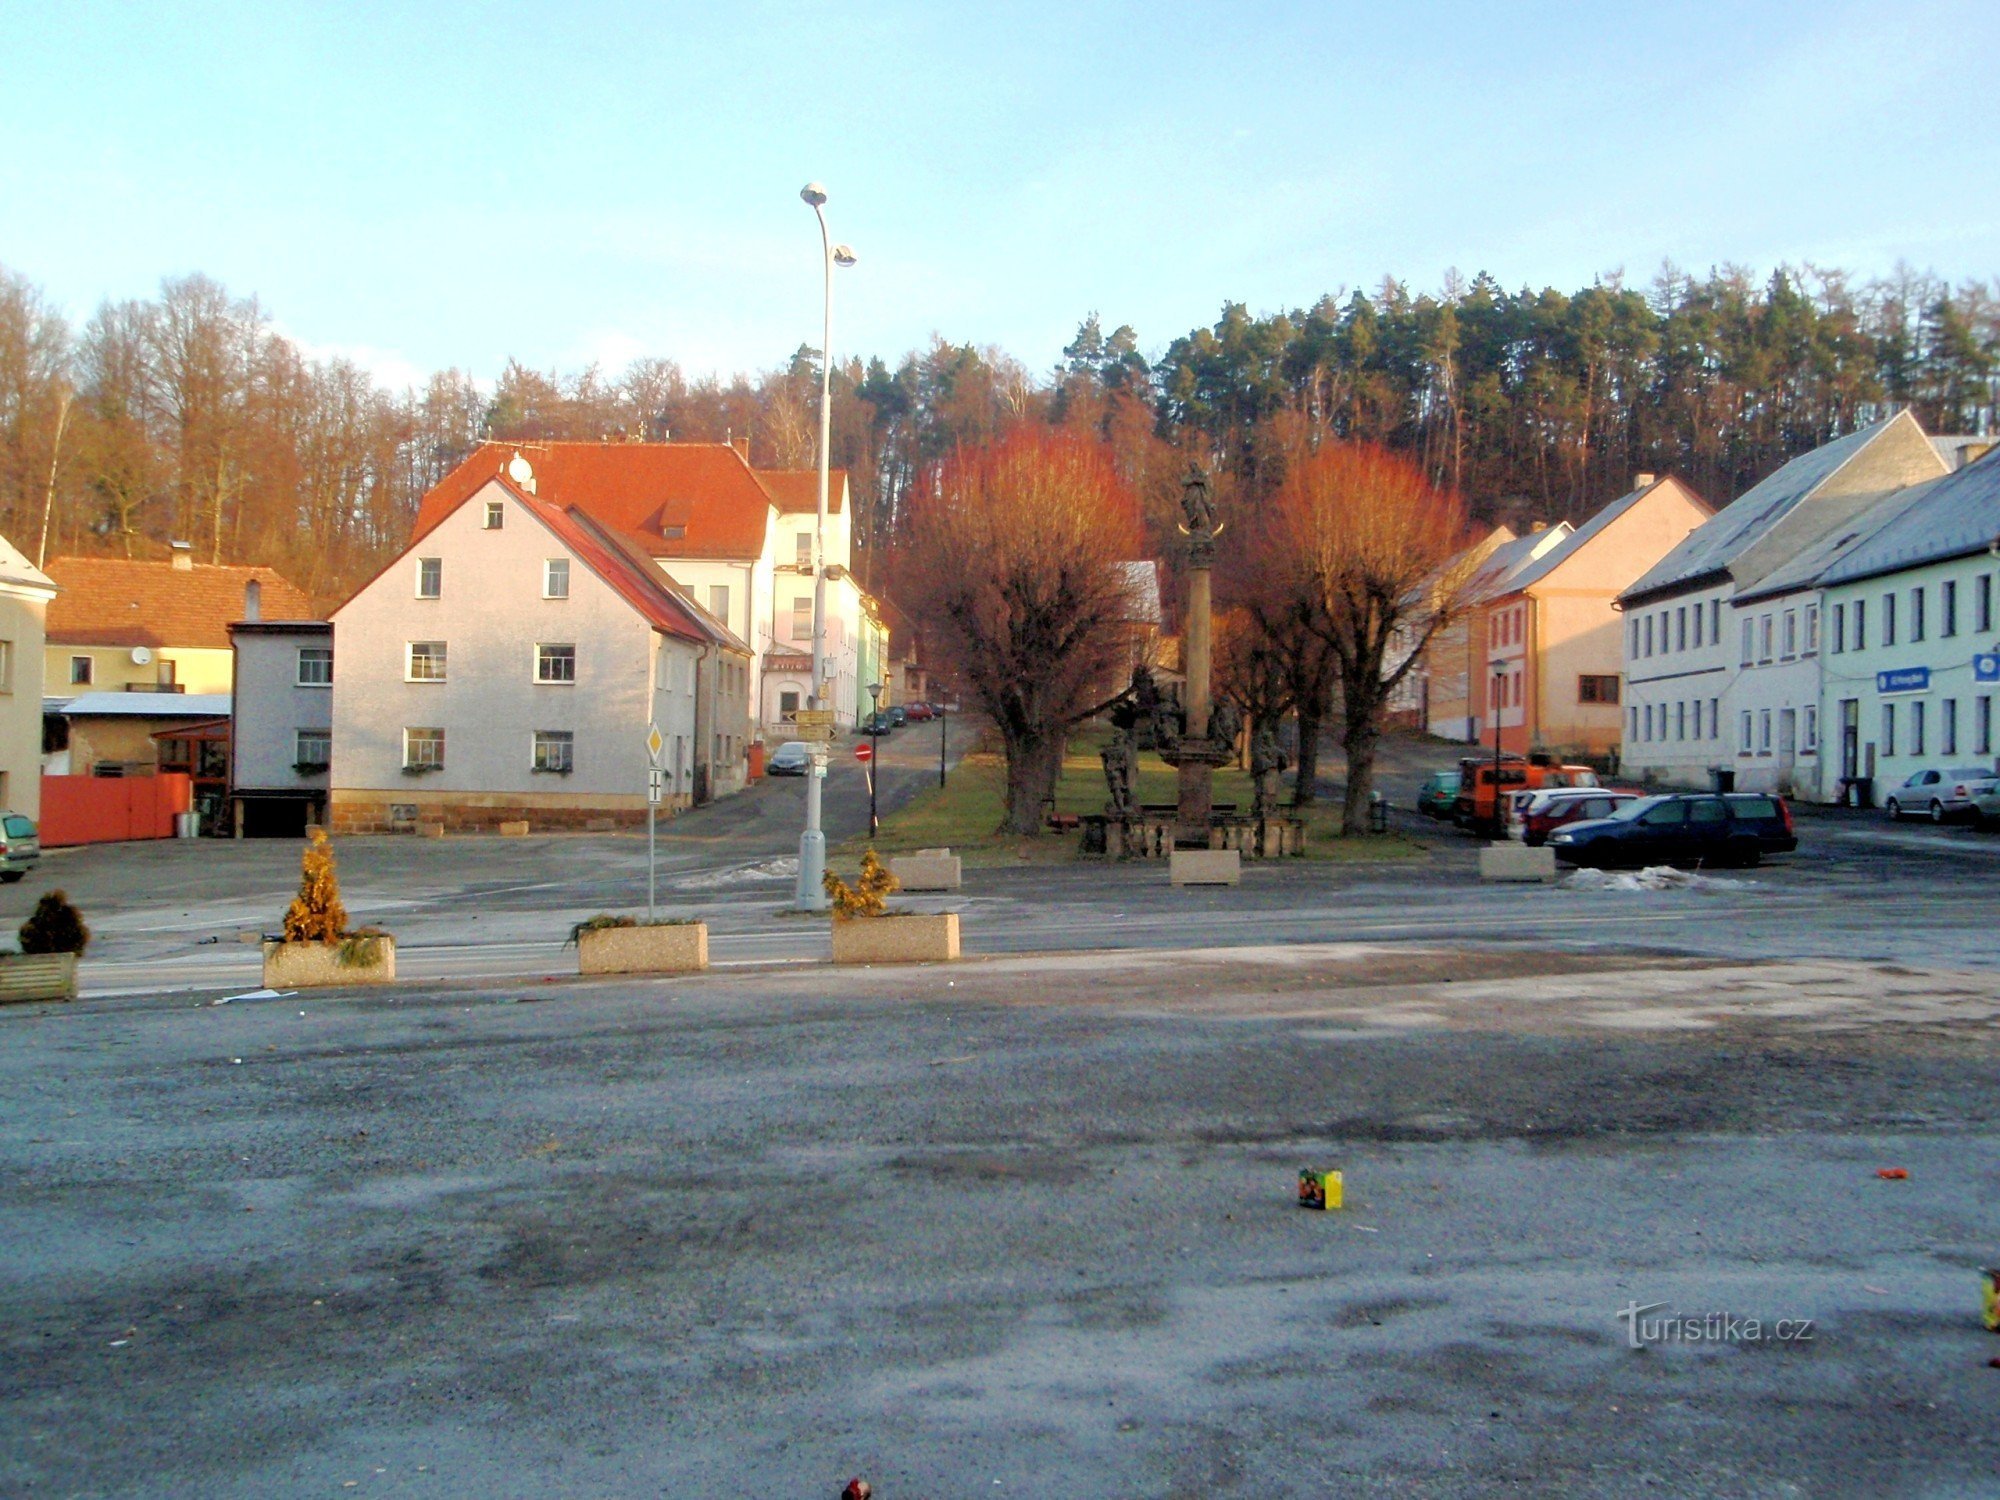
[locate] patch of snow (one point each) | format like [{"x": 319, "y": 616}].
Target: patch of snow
[
  {"x": 784, "y": 867},
  {"x": 1652, "y": 878}
]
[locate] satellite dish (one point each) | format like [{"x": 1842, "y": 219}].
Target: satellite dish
[
  {"x": 521, "y": 472},
  {"x": 142, "y": 656}
]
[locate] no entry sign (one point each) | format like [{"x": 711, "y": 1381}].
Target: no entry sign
[{"x": 863, "y": 751}]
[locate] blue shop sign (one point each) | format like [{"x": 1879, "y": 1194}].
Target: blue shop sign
[
  {"x": 1986, "y": 667},
  {"x": 1904, "y": 680}
]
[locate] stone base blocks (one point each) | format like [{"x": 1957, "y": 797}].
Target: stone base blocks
[
  {"x": 300, "y": 966},
  {"x": 926, "y": 870},
  {"x": 908, "y": 938},
  {"x": 669, "y": 948},
  {"x": 37, "y": 976},
  {"x": 1204, "y": 867},
  {"x": 1517, "y": 863}
]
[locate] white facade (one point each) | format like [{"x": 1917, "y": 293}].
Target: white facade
[
  {"x": 493, "y": 673},
  {"x": 25, "y": 592},
  {"x": 281, "y": 732},
  {"x": 1680, "y": 659}
]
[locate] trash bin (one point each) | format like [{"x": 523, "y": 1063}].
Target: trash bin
[
  {"x": 1724, "y": 778},
  {"x": 1860, "y": 791},
  {"x": 187, "y": 825},
  {"x": 756, "y": 760}
]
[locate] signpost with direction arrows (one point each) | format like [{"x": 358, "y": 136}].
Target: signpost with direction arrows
[{"x": 656, "y": 787}]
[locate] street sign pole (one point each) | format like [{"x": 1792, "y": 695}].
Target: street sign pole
[{"x": 656, "y": 780}]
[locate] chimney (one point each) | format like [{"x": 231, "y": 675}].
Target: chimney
[
  {"x": 1643, "y": 481},
  {"x": 183, "y": 556},
  {"x": 253, "y": 600}
]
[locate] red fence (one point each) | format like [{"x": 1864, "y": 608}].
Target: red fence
[{"x": 108, "y": 809}]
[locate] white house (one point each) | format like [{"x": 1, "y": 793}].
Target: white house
[
  {"x": 25, "y": 592},
  {"x": 1912, "y": 658},
  {"x": 512, "y": 665},
  {"x": 1721, "y": 649},
  {"x": 281, "y": 726},
  {"x": 737, "y": 540}
]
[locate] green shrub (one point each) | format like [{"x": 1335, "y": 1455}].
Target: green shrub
[{"x": 55, "y": 927}]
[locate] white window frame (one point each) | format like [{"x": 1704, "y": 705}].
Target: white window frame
[
  {"x": 543, "y": 744},
  {"x": 441, "y": 654},
  {"x": 428, "y": 731},
  {"x": 1749, "y": 641},
  {"x": 299, "y": 678},
  {"x": 804, "y": 616},
  {"x": 299, "y": 738},
  {"x": 1749, "y": 728},
  {"x": 545, "y": 656},
  {"x": 1811, "y": 742},
  {"x": 430, "y": 569},
  {"x": 496, "y": 515},
  {"x": 89, "y": 665},
  {"x": 554, "y": 568}
]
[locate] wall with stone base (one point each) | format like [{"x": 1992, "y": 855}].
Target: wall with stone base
[{"x": 471, "y": 812}]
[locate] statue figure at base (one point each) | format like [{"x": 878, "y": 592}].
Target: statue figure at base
[
  {"x": 1268, "y": 762},
  {"x": 1121, "y": 769}
]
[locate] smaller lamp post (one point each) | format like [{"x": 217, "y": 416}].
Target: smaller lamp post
[
  {"x": 874, "y": 751},
  {"x": 944, "y": 736}
]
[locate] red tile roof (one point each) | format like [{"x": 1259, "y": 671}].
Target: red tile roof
[
  {"x": 669, "y": 499},
  {"x": 109, "y": 601},
  {"x": 638, "y": 585},
  {"x": 796, "y": 491}
]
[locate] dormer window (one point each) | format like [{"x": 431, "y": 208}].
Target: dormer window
[
  {"x": 496, "y": 513},
  {"x": 672, "y": 533}
]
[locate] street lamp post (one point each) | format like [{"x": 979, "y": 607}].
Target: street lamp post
[
  {"x": 810, "y": 894},
  {"x": 1499, "y": 684},
  {"x": 944, "y": 738},
  {"x": 874, "y": 751}
]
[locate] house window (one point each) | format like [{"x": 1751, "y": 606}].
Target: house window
[
  {"x": 1744, "y": 747},
  {"x": 1749, "y": 640},
  {"x": 1982, "y": 726},
  {"x": 1597, "y": 689},
  {"x": 426, "y": 662},
  {"x": 1765, "y": 633},
  {"x": 496, "y": 513},
  {"x": 1632, "y": 629},
  {"x": 805, "y": 549},
  {"x": 1649, "y": 723},
  {"x": 1681, "y": 628},
  {"x": 1982, "y": 603},
  {"x": 1680, "y": 721},
  {"x": 802, "y": 618},
  {"x": 430, "y": 577},
  {"x": 1917, "y": 717},
  {"x": 1916, "y": 614},
  {"x": 1888, "y": 729},
  {"x": 81, "y": 670},
  {"x": 315, "y": 666},
  {"x": 1715, "y": 621},
  {"x": 1860, "y": 624},
  {"x": 555, "y": 578},
  {"x": 718, "y": 601},
  {"x": 555, "y": 664},
  {"x": 312, "y": 750},
  {"x": 1888, "y": 619},
  {"x": 1714, "y": 723},
  {"x": 1635, "y": 722},
  {"x": 1649, "y": 635},
  {"x": 1839, "y": 628},
  {"x": 423, "y": 748},
  {"x": 1764, "y": 731},
  {"x": 555, "y": 750},
  {"x": 1948, "y": 727},
  {"x": 1791, "y": 634},
  {"x": 1812, "y": 729},
  {"x": 788, "y": 706},
  {"x": 1950, "y": 610},
  {"x": 1812, "y": 630},
  {"x": 1697, "y": 625}
]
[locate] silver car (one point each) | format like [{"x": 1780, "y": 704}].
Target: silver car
[
  {"x": 1942, "y": 792},
  {"x": 20, "y": 846}
]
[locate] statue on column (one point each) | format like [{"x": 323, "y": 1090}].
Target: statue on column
[
  {"x": 1268, "y": 762},
  {"x": 1198, "y": 506},
  {"x": 1121, "y": 769}
]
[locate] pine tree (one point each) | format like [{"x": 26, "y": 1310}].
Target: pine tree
[{"x": 316, "y": 915}]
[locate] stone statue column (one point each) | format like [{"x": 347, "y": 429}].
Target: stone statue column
[{"x": 1197, "y": 758}]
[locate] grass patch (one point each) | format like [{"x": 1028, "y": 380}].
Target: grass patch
[{"x": 964, "y": 814}]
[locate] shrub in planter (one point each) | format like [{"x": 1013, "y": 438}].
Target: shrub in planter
[
  {"x": 608, "y": 944},
  {"x": 55, "y": 927},
  {"x": 866, "y": 932},
  {"x": 318, "y": 949},
  {"x": 51, "y": 940}
]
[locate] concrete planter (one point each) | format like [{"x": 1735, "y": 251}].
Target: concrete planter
[
  {"x": 926, "y": 870},
  {"x": 318, "y": 966},
  {"x": 679, "y": 948},
  {"x": 906, "y": 939},
  {"x": 37, "y": 976},
  {"x": 1517, "y": 863},
  {"x": 1204, "y": 867}
]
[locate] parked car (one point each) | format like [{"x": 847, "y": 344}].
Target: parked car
[
  {"x": 20, "y": 845},
  {"x": 1437, "y": 795},
  {"x": 1682, "y": 830},
  {"x": 793, "y": 758},
  {"x": 1940, "y": 794},
  {"x": 1483, "y": 783},
  {"x": 1769, "y": 815},
  {"x": 1986, "y": 807},
  {"x": 1536, "y": 815},
  {"x": 878, "y": 722},
  {"x": 920, "y": 712},
  {"x": 900, "y": 713}
]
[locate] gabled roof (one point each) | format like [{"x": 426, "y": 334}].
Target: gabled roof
[
  {"x": 1712, "y": 547},
  {"x": 16, "y": 571},
  {"x": 796, "y": 491},
  {"x": 1500, "y": 573},
  {"x": 695, "y": 500},
  {"x": 1804, "y": 570},
  {"x": 110, "y": 601},
  {"x": 1538, "y": 568},
  {"x": 1946, "y": 518},
  {"x": 148, "y": 706}
]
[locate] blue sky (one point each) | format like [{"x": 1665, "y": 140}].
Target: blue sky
[{"x": 436, "y": 184}]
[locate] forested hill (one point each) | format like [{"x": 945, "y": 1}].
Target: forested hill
[{"x": 187, "y": 416}]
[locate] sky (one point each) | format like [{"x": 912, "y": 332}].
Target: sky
[{"x": 421, "y": 186}]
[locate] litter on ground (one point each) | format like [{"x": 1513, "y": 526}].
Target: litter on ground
[
  {"x": 255, "y": 995},
  {"x": 1652, "y": 878}
]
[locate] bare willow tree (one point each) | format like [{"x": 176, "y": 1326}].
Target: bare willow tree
[
  {"x": 1361, "y": 533},
  {"x": 1013, "y": 561}
]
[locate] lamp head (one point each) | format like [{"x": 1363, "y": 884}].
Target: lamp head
[
  {"x": 813, "y": 193},
  {"x": 843, "y": 255}
]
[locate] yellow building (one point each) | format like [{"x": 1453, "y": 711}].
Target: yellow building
[{"x": 124, "y": 626}]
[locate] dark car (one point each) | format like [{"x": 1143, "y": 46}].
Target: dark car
[
  {"x": 1438, "y": 795},
  {"x": 899, "y": 713},
  {"x": 1769, "y": 816},
  {"x": 879, "y": 722},
  {"x": 1684, "y": 831},
  {"x": 793, "y": 758},
  {"x": 919, "y": 712}
]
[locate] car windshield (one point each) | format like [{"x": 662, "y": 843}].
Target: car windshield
[
  {"x": 18, "y": 827},
  {"x": 1971, "y": 773},
  {"x": 1625, "y": 812},
  {"x": 795, "y": 747}
]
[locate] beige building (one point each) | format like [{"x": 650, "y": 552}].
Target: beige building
[
  {"x": 124, "y": 626},
  {"x": 1545, "y": 646},
  {"x": 25, "y": 592}
]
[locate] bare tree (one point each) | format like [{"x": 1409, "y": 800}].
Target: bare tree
[{"x": 1012, "y": 561}]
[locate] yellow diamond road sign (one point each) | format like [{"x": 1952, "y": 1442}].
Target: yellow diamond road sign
[{"x": 654, "y": 744}]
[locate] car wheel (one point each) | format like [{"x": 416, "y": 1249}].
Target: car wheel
[
  {"x": 1937, "y": 811},
  {"x": 10, "y": 876},
  {"x": 1894, "y": 809},
  {"x": 1751, "y": 857}
]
